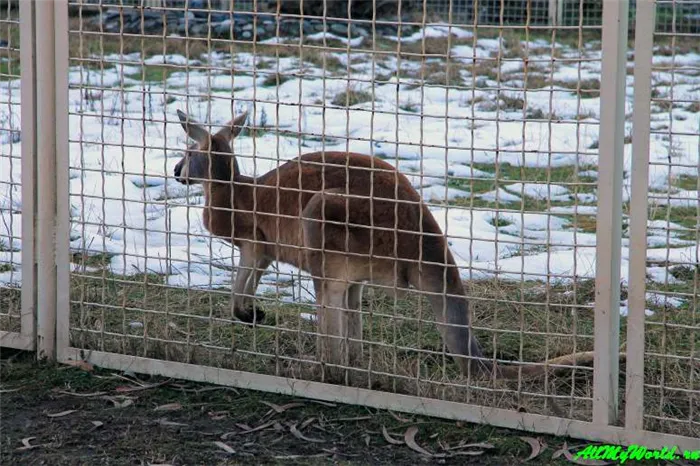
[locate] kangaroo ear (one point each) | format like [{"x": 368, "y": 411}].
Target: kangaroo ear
[
  {"x": 193, "y": 130},
  {"x": 233, "y": 128}
]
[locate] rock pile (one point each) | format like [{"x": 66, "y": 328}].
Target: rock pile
[{"x": 240, "y": 26}]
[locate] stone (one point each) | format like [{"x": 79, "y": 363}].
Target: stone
[
  {"x": 198, "y": 30},
  {"x": 223, "y": 29},
  {"x": 152, "y": 26},
  {"x": 359, "y": 31},
  {"x": 319, "y": 26},
  {"x": 340, "y": 29}
]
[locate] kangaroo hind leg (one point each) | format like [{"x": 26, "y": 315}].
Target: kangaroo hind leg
[{"x": 338, "y": 299}]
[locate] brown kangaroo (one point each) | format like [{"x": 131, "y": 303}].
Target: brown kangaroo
[{"x": 345, "y": 218}]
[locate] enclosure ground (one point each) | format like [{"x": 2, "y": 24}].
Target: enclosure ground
[{"x": 87, "y": 415}]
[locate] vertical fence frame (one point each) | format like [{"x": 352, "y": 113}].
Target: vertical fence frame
[
  {"x": 52, "y": 173},
  {"x": 643, "y": 55},
  {"x": 63, "y": 214},
  {"x": 26, "y": 338},
  {"x": 29, "y": 160},
  {"x": 606, "y": 365},
  {"x": 46, "y": 118}
]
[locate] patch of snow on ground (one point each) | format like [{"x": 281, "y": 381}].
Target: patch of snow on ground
[{"x": 124, "y": 201}]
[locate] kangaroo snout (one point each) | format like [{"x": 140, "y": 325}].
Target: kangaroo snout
[{"x": 178, "y": 173}]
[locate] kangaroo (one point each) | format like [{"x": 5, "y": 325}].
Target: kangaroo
[{"x": 345, "y": 218}]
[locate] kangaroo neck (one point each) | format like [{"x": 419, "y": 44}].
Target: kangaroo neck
[{"x": 218, "y": 194}]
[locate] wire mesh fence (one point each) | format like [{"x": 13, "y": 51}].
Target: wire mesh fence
[
  {"x": 494, "y": 127},
  {"x": 216, "y": 218},
  {"x": 671, "y": 381},
  {"x": 10, "y": 173}
]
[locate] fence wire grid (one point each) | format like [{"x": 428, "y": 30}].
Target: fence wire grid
[
  {"x": 671, "y": 380},
  {"x": 496, "y": 126},
  {"x": 10, "y": 173},
  {"x": 428, "y": 106}
]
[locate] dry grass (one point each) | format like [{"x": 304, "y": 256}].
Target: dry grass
[
  {"x": 435, "y": 46},
  {"x": 196, "y": 326},
  {"x": 587, "y": 88},
  {"x": 484, "y": 68},
  {"x": 275, "y": 79},
  {"x": 438, "y": 74},
  {"x": 511, "y": 102},
  {"x": 521, "y": 321},
  {"x": 351, "y": 97},
  {"x": 10, "y": 308},
  {"x": 694, "y": 107}
]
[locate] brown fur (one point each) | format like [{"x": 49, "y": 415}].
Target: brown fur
[{"x": 301, "y": 214}]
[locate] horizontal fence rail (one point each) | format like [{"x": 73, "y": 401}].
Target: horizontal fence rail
[{"x": 208, "y": 223}]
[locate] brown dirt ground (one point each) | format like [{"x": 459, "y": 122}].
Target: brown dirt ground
[{"x": 89, "y": 416}]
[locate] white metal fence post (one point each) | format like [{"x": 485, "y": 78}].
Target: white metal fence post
[
  {"x": 556, "y": 12},
  {"x": 643, "y": 55},
  {"x": 29, "y": 181},
  {"x": 46, "y": 173},
  {"x": 61, "y": 53},
  {"x": 609, "y": 217}
]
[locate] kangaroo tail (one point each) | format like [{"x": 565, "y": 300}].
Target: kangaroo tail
[
  {"x": 551, "y": 365},
  {"x": 438, "y": 277}
]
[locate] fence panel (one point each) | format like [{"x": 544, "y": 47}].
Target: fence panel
[
  {"x": 671, "y": 351},
  {"x": 495, "y": 126},
  {"x": 16, "y": 178}
]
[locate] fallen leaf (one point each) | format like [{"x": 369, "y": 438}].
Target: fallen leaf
[
  {"x": 209, "y": 389},
  {"x": 324, "y": 403},
  {"x": 565, "y": 450},
  {"x": 399, "y": 418},
  {"x": 120, "y": 403},
  {"x": 97, "y": 423},
  {"x": 366, "y": 437},
  {"x": 139, "y": 388},
  {"x": 82, "y": 365},
  {"x": 410, "y": 439},
  {"x": 467, "y": 453},
  {"x": 10, "y": 390},
  {"x": 168, "y": 407},
  {"x": 349, "y": 419},
  {"x": 536, "y": 445},
  {"x": 463, "y": 445},
  {"x": 82, "y": 395},
  {"x": 306, "y": 423},
  {"x": 26, "y": 442},
  {"x": 62, "y": 413},
  {"x": 297, "y": 457},
  {"x": 217, "y": 416},
  {"x": 225, "y": 447},
  {"x": 280, "y": 409},
  {"x": 164, "y": 422},
  {"x": 247, "y": 429},
  {"x": 295, "y": 432},
  {"x": 389, "y": 438}
]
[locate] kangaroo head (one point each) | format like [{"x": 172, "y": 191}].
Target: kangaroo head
[{"x": 210, "y": 157}]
